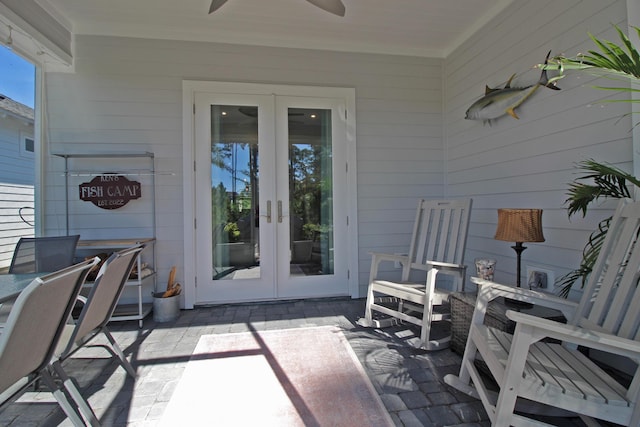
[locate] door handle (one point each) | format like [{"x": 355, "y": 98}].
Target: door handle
[
  {"x": 269, "y": 211},
  {"x": 279, "y": 210}
]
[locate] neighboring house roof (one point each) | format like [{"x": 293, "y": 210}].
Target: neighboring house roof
[{"x": 15, "y": 108}]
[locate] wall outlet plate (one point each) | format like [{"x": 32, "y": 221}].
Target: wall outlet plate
[{"x": 540, "y": 278}]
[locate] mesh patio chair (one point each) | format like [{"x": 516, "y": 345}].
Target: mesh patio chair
[
  {"x": 97, "y": 310},
  {"x": 32, "y": 332},
  {"x": 43, "y": 254}
]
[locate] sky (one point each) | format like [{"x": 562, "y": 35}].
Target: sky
[{"x": 17, "y": 77}]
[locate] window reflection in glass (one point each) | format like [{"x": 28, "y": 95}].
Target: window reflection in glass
[
  {"x": 310, "y": 191},
  {"x": 234, "y": 190}
]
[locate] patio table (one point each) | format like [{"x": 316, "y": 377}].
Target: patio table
[{"x": 12, "y": 284}]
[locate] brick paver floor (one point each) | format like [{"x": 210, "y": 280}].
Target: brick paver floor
[{"x": 409, "y": 381}]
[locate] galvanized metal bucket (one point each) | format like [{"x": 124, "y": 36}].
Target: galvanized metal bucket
[{"x": 165, "y": 309}]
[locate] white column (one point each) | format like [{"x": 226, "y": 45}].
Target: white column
[{"x": 633, "y": 20}]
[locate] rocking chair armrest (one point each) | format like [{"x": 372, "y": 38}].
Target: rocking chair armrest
[
  {"x": 447, "y": 266},
  {"x": 546, "y": 328},
  {"x": 380, "y": 256},
  {"x": 492, "y": 290}
]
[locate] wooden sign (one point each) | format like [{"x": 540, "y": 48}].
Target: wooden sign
[{"x": 109, "y": 191}]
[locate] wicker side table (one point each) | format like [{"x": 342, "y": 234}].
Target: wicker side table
[{"x": 462, "y": 305}]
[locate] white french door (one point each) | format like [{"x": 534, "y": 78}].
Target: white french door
[{"x": 270, "y": 197}]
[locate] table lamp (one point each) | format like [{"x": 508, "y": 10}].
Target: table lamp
[{"x": 519, "y": 226}]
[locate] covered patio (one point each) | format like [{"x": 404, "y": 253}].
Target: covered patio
[{"x": 109, "y": 84}]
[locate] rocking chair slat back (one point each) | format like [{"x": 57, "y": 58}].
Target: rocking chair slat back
[
  {"x": 627, "y": 296},
  {"x": 614, "y": 302},
  {"x": 435, "y": 225}
]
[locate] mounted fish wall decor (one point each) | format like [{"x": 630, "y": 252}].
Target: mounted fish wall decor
[{"x": 498, "y": 102}]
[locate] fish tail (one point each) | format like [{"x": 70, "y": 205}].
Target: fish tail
[{"x": 544, "y": 78}]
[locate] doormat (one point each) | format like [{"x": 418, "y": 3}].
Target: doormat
[{"x": 292, "y": 377}]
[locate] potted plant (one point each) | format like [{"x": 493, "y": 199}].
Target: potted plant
[
  {"x": 599, "y": 180},
  {"x": 233, "y": 232}
]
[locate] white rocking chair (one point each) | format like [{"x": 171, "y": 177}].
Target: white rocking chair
[
  {"x": 437, "y": 246},
  {"x": 557, "y": 374}
]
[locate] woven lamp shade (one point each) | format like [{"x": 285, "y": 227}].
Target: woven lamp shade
[{"x": 520, "y": 225}]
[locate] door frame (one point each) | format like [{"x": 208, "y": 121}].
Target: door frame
[{"x": 189, "y": 90}]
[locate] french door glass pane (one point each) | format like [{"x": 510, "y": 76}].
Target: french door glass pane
[
  {"x": 310, "y": 192},
  {"x": 234, "y": 191}
]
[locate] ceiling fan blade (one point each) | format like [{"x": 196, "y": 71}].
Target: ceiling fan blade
[
  {"x": 216, "y": 4},
  {"x": 333, "y": 6}
]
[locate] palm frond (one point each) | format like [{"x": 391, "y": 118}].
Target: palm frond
[
  {"x": 619, "y": 89},
  {"x": 589, "y": 257},
  {"x": 599, "y": 180},
  {"x": 612, "y": 58}
]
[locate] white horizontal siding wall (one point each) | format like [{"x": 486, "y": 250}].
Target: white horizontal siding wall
[
  {"x": 528, "y": 163},
  {"x": 125, "y": 95}
]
